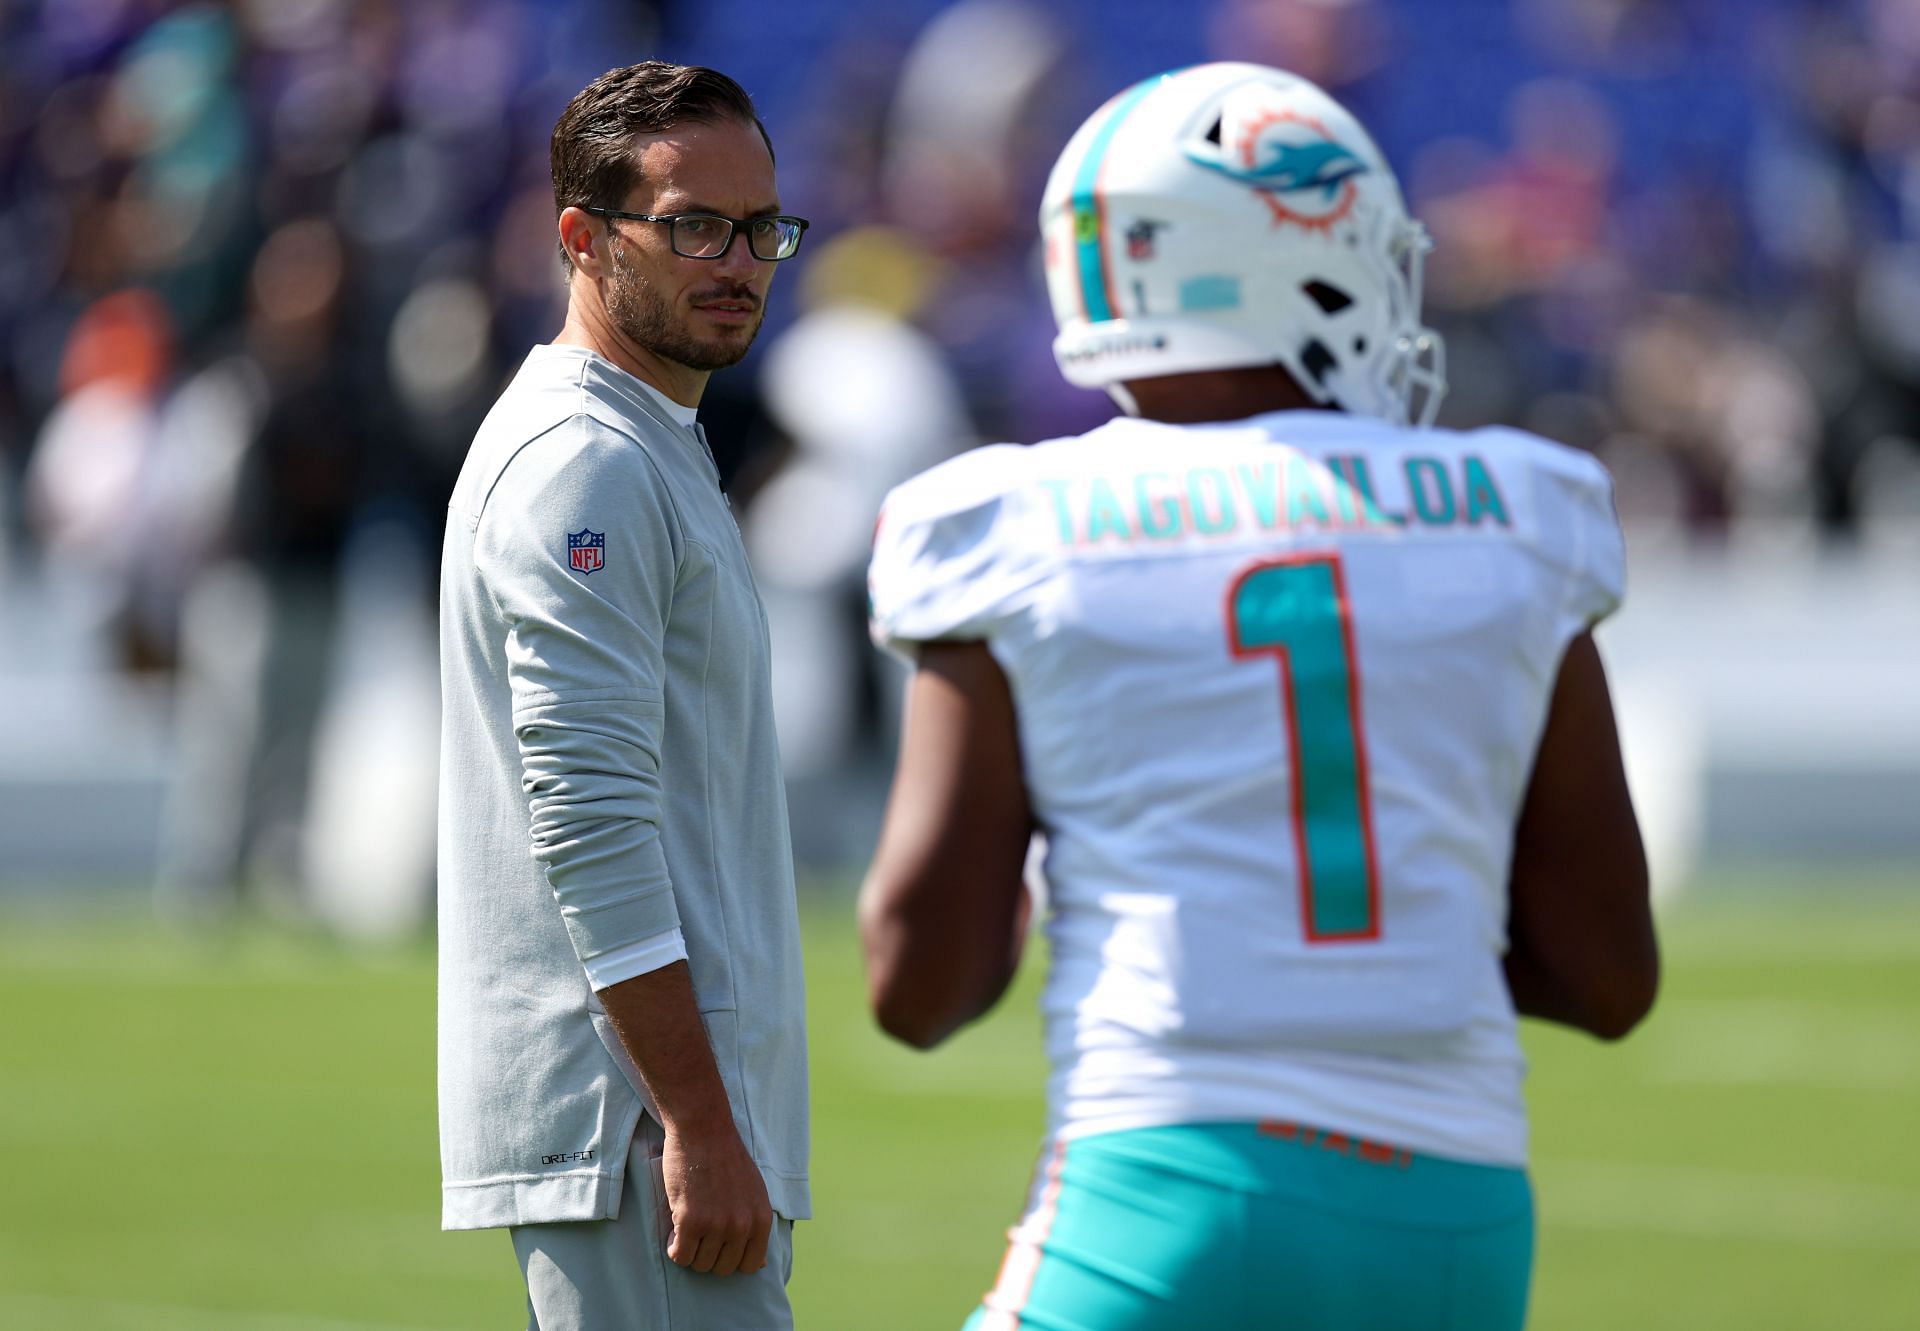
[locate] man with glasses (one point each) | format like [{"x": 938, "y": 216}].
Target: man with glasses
[{"x": 622, "y": 1052}]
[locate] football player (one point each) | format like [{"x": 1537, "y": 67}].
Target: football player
[{"x": 1303, "y": 698}]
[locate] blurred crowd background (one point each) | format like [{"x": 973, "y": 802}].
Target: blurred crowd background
[{"x": 265, "y": 264}]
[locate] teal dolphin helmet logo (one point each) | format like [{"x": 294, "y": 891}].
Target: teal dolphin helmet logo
[
  {"x": 1297, "y": 166},
  {"x": 1306, "y": 165},
  {"x": 1286, "y": 152}
]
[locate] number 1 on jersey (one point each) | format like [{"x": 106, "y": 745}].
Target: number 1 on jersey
[{"x": 1296, "y": 610}]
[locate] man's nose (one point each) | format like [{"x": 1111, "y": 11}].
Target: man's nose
[{"x": 738, "y": 262}]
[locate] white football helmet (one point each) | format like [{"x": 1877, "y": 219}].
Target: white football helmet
[{"x": 1229, "y": 215}]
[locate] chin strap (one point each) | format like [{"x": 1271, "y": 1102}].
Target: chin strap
[{"x": 1123, "y": 399}]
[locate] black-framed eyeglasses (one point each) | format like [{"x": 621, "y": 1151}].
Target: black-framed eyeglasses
[{"x": 708, "y": 235}]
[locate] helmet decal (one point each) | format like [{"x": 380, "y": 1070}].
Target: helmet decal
[
  {"x": 1293, "y": 154},
  {"x": 1089, "y": 207},
  {"x": 1140, "y": 243},
  {"x": 1211, "y": 291}
]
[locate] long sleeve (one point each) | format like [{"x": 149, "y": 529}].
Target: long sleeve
[{"x": 579, "y": 547}]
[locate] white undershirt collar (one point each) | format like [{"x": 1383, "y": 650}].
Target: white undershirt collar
[{"x": 683, "y": 415}]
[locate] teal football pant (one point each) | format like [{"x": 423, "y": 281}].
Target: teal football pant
[{"x": 1269, "y": 1227}]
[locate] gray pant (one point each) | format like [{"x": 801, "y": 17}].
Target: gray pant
[{"x": 614, "y": 1275}]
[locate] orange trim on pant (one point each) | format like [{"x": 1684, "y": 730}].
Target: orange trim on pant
[{"x": 1014, "y": 1285}]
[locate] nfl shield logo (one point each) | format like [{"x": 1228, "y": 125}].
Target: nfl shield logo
[
  {"x": 1140, "y": 238},
  {"x": 587, "y": 550}
]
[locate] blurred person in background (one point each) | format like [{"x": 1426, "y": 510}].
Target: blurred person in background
[
  {"x": 1304, "y": 699},
  {"x": 1835, "y": 206},
  {"x": 867, "y": 401},
  {"x": 88, "y": 477},
  {"x": 258, "y": 624},
  {"x": 622, "y": 1050}
]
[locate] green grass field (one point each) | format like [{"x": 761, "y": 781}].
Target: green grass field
[{"x": 237, "y": 1134}]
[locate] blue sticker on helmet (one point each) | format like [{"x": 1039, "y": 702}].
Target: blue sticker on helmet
[{"x": 1215, "y": 291}]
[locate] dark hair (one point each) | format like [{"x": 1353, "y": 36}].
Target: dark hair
[{"x": 591, "y": 153}]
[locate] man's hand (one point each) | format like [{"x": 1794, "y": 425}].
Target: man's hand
[{"x": 721, "y": 1216}]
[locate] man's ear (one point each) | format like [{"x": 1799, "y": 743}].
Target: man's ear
[{"x": 580, "y": 237}]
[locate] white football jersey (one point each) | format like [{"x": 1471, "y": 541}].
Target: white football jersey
[{"x": 1280, "y": 684}]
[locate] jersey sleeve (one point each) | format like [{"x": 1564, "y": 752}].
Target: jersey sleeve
[
  {"x": 578, "y": 545},
  {"x": 946, "y": 561},
  {"x": 1576, "y": 530},
  {"x": 1598, "y": 574}
]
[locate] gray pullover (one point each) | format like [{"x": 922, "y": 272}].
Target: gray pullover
[{"x": 608, "y": 772}]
